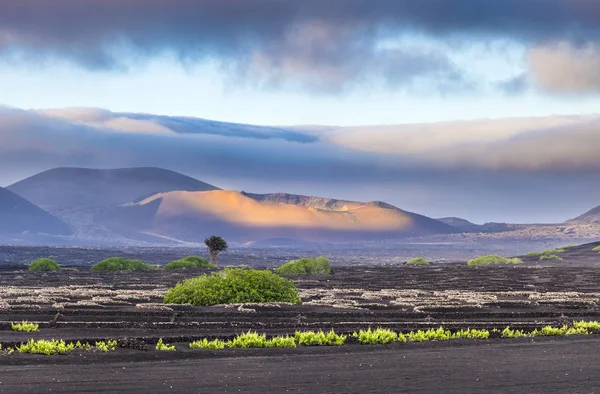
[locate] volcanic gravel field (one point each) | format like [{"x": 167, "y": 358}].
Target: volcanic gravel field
[{"x": 77, "y": 304}]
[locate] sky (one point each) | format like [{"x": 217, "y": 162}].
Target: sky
[{"x": 481, "y": 109}]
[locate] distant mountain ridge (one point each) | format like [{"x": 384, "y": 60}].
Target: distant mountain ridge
[
  {"x": 19, "y": 216},
  {"x": 246, "y": 217},
  {"x": 591, "y": 216},
  {"x": 69, "y": 187}
]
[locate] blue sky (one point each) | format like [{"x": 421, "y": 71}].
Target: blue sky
[{"x": 490, "y": 104}]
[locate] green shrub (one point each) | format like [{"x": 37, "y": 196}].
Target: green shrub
[
  {"x": 206, "y": 344},
  {"x": 510, "y": 333},
  {"x": 189, "y": 262},
  {"x": 588, "y": 325},
  {"x": 596, "y": 249},
  {"x": 417, "y": 261},
  {"x": 25, "y": 326},
  {"x": 306, "y": 266},
  {"x": 439, "y": 334},
  {"x": 311, "y": 338},
  {"x": 546, "y": 252},
  {"x": 493, "y": 259},
  {"x": 121, "y": 264},
  {"x": 233, "y": 285},
  {"x": 107, "y": 346},
  {"x": 379, "y": 336},
  {"x": 471, "y": 334},
  {"x": 44, "y": 265},
  {"x": 551, "y": 257},
  {"x": 283, "y": 342},
  {"x": 160, "y": 345}
]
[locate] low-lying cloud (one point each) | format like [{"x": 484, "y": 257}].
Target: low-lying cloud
[{"x": 443, "y": 169}]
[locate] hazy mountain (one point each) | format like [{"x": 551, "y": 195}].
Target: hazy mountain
[
  {"x": 84, "y": 187},
  {"x": 19, "y": 216},
  {"x": 591, "y": 216},
  {"x": 244, "y": 217},
  {"x": 461, "y": 224}
]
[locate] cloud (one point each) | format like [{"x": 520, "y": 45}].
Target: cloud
[
  {"x": 324, "y": 45},
  {"x": 566, "y": 68},
  {"x": 443, "y": 169}
]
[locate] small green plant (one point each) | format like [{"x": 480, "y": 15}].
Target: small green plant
[
  {"x": 592, "y": 326},
  {"x": 596, "y": 249},
  {"x": 311, "y": 338},
  {"x": 160, "y": 345},
  {"x": 306, "y": 266},
  {"x": 45, "y": 347},
  {"x": 551, "y": 257},
  {"x": 546, "y": 252},
  {"x": 25, "y": 326},
  {"x": 510, "y": 333},
  {"x": 417, "y": 261},
  {"x": 206, "y": 344},
  {"x": 439, "y": 334},
  {"x": 493, "y": 259},
  {"x": 44, "y": 265},
  {"x": 282, "y": 342},
  {"x": 379, "y": 336},
  {"x": 233, "y": 285},
  {"x": 121, "y": 264},
  {"x": 471, "y": 334},
  {"x": 107, "y": 346},
  {"x": 248, "y": 340},
  {"x": 189, "y": 262}
]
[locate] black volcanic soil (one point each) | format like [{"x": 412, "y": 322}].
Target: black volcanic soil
[{"x": 77, "y": 304}]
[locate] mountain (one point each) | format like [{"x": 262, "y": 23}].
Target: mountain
[
  {"x": 19, "y": 216},
  {"x": 591, "y": 216},
  {"x": 245, "y": 217},
  {"x": 83, "y": 187},
  {"x": 461, "y": 224}
]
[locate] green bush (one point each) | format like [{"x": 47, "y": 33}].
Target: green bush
[
  {"x": 417, "y": 261},
  {"x": 306, "y": 266},
  {"x": 311, "y": 338},
  {"x": 189, "y": 262},
  {"x": 233, "y": 285},
  {"x": 206, "y": 344},
  {"x": 121, "y": 264},
  {"x": 25, "y": 326},
  {"x": 44, "y": 265},
  {"x": 596, "y": 249},
  {"x": 380, "y": 336},
  {"x": 546, "y": 252},
  {"x": 160, "y": 345},
  {"x": 471, "y": 334},
  {"x": 493, "y": 259},
  {"x": 551, "y": 257},
  {"x": 439, "y": 334}
]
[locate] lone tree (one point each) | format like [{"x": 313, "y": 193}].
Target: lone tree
[{"x": 215, "y": 246}]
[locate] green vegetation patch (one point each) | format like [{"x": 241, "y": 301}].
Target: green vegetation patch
[
  {"x": 121, "y": 264},
  {"x": 596, "y": 249},
  {"x": 216, "y": 344},
  {"x": 379, "y": 336},
  {"x": 417, "y": 261},
  {"x": 255, "y": 340},
  {"x": 551, "y": 257},
  {"x": 44, "y": 264},
  {"x": 493, "y": 259},
  {"x": 306, "y": 266},
  {"x": 233, "y": 286},
  {"x": 320, "y": 338},
  {"x": 189, "y": 262},
  {"x": 165, "y": 347},
  {"x": 52, "y": 347},
  {"x": 25, "y": 326}
]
